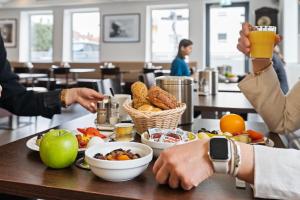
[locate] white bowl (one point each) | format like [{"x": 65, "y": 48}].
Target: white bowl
[
  {"x": 158, "y": 147},
  {"x": 118, "y": 171}
]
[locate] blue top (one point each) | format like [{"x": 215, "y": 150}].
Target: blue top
[{"x": 180, "y": 67}]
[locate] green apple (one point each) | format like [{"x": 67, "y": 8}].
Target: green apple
[{"x": 58, "y": 149}]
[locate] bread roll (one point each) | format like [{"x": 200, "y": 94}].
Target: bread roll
[
  {"x": 139, "y": 94},
  {"x": 146, "y": 107},
  {"x": 161, "y": 98}
]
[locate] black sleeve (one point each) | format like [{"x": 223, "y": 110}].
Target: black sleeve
[{"x": 17, "y": 100}]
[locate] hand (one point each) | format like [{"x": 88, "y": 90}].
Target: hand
[
  {"x": 185, "y": 165},
  {"x": 244, "y": 46},
  {"x": 85, "y": 97},
  {"x": 244, "y": 42}
]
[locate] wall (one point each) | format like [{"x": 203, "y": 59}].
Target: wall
[{"x": 133, "y": 51}]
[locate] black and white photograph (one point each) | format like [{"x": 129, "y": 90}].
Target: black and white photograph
[
  {"x": 122, "y": 28},
  {"x": 8, "y": 31}
]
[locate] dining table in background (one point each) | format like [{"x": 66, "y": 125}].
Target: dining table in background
[
  {"x": 213, "y": 106},
  {"x": 31, "y": 77},
  {"x": 22, "y": 173},
  {"x": 77, "y": 71},
  {"x": 228, "y": 87}
]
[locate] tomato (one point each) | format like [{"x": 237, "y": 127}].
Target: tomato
[
  {"x": 82, "y": 130},
  {"x": 255, "y": 135}
]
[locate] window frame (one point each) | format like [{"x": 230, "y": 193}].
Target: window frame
[
  {"x": 71, "y": 38},
  {"x": 207, "y": 29},
  {"x": 30, "y": 35},
  {"x": 173, "y": 7}
]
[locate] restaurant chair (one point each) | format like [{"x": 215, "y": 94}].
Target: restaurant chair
[
  {"x": 110, "y": 72},
  {"x": 61, "y": 75},
  {"x": 149, "y": 79},
  {"x": 94, "y": 84},
  {"x": 106, "y": 84}
]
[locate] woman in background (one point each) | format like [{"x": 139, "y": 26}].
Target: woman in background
[{"x": 179, "y": 66}]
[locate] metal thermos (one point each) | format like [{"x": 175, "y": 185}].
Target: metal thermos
[
  {"x": 208, "y": 82},
  {"x": 182, "y": 89}
]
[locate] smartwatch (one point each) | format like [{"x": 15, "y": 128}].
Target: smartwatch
[{"x": 220, "y": 153}]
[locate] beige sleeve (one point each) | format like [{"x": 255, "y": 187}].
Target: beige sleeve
[{"x": 281, "y": 113}]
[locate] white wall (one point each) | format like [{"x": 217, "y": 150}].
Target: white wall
[{"x": 133, "y": 51}]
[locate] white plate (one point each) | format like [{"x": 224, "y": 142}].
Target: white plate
[{"x": 31, "y": 143}]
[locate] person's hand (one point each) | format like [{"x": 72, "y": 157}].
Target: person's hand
[
  {"x": 185, "y": 165},
  {"x": 244, "y": 45},
  {"x": 85, "y": 97},
  {"x": 244, "y": 42}
]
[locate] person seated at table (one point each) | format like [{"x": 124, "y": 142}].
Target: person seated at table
[
  {"x": 278, "y": 65},
  {"x": 179, "y": 66},
  {"x": 16, "y": 99},
  {"x": 274, "y": 172}
]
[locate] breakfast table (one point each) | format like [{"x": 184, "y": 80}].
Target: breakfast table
[
  {"x": 233, "y": 102},
  {"x": 23, "y": 174}
]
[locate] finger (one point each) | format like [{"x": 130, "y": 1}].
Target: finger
[
  {"x": 244, "y": 43},
  {"x": 185, "y": 185},
  {"x": 173, "y": 180},
  {"x": 246, "y": 28},
  {"x": 157, "y": 165},
  {"x": 87, "y": 105},
  {"x": 162, "y": 175},
  {"x": 243, "y": 50}
]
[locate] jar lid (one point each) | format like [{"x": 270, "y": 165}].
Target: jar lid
[
  {"x": 174, "y": 80},
  {"x": 101, "y": 105}
]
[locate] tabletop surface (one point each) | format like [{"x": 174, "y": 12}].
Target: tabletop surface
[
  {"x": 223, "y": 101},
  {"x": 31, "y": 75},
  {"x": 22, "y": 173},
  {"x": 82, "y": 70},
  {"x": 228, "y": 87}
]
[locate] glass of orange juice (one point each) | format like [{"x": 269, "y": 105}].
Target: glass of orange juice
[{"x": 262, "y": 39}]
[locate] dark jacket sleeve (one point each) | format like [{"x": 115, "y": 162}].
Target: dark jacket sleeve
[{"x": 17, "y": 100}]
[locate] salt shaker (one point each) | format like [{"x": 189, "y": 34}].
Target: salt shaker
[{"x": 101, "y": 112}]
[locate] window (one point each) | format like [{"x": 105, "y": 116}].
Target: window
[
  {"x": 41, "y": 37},
  {"x": 168, "y": 26},
  {"x": 85, "y": 36},
  {"x": 221, "y": 40}
]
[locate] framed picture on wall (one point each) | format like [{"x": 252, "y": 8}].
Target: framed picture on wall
[
  {"x": 121, "y": 28},
  {"x": 8, "y": 29}
]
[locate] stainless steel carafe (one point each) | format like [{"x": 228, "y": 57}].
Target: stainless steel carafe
[
  {"x": 208, "y": 82},
  {"x": 182, "y": 89}
]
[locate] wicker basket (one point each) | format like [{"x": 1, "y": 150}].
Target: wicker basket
[{"x": 166, "y": 119}]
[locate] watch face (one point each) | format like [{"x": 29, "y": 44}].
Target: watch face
[{"x": 219, "y": 149}]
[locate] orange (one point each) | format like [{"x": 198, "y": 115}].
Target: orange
[{"x": 232, "y": 123}]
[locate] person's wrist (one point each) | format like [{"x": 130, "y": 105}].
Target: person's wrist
[
  {"x": 260, "y": 64},
  {"x": 246, "y": 171},
  {"x": 70, "y": 96},
  {"x": 206, "y": 155}
]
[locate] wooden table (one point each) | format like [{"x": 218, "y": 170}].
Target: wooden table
[
  {"x": 22, "y": 173},
  {"x": 223, "y": 102}
]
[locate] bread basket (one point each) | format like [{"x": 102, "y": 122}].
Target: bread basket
[{"x": 166, "y": 119}]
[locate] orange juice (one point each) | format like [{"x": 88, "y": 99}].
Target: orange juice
[{"x": 262, "y": 44}]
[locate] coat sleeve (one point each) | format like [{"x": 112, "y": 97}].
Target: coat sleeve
[
  {"x": 17, "y": 100},
  {"x": 280, "y": 112},
  {"x": 276, "y": 173}
]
